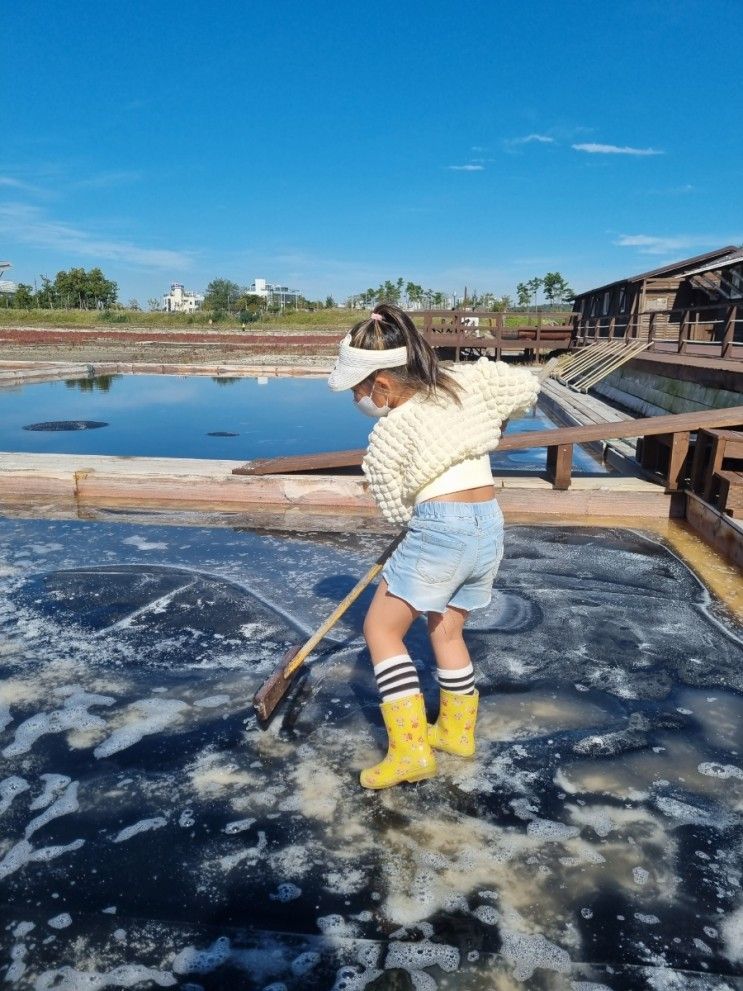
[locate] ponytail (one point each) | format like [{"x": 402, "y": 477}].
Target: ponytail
[{"x": 390, "y": 327}]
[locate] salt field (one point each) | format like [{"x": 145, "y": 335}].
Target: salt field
[
  {"x": 198, "y": 417},
  {"x": 153, "y": 835}
]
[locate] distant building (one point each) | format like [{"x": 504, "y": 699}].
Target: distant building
[
  {"x": 180, "y": 300},
  {"x": 275, "y": 295}
]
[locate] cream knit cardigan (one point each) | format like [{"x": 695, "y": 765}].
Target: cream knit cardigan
[{"x": 420, "y": 439}]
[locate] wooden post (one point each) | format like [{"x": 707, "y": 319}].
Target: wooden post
[
  {"x": 676, "y": 460},
  {"x": 683, "y": 333},
  {"x": 612, "y": 327},
  {"x": 702, "y": 449},
  {"x": 651, "y": 331},
  {"x": 716, "y": 457},
  {"x": 539, "y": 338},
  {"x": 560, "y": 465},
  {"x": 729, "y": 334}
]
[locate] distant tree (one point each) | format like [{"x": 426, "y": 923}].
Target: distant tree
[
  {"x": 133, "y": 304},
  {"x": 556, "y": 289},
  {"x": 154, "y": 304},
  {"x": 23, "y": 298},
  {"x": 77, "y": 289},
  {"x": 534, "y": 285},
  {"x": 45, "y": 296},
  {"x": 523, "y": 293},
  {"x": 222, "y": 294},
  {"x": 251, "y": 303},
  {"x": 329, "y": 303},
  {"x": 414, "y": 293}
]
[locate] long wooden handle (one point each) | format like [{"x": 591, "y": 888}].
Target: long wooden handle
[{"x": 336, "y": 614}]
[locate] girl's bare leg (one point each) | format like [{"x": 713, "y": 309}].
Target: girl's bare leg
[
  {"x": 386, "y": 623},
  {"x": 445, "y": 630}
]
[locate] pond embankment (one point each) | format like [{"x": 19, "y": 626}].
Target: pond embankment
[{"x": 654, "y": 384}]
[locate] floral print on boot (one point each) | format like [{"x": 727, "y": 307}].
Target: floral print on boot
[
  {"x": 409, "y": 757},
  {"x": 454, "y": 730}
]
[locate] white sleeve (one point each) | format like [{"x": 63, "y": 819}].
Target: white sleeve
[{"x": 508, "y": 388}]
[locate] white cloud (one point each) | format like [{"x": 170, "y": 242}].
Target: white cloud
[
  {"x": 543, "y": 139},
  {"x": 651, "y": 245},
  {"x": 596, "y": 149},
  {"x": 29, "y": 225},
  {"x": 466, "y": 168},
  {"x": 24, "y": 187}
]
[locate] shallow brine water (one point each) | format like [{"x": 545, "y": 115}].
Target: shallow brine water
[
  {"x": 152, "y": 835},
  {"x": 195, "y": 417}
]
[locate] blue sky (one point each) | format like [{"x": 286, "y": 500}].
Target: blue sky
[{"x": 332, "y": 145}]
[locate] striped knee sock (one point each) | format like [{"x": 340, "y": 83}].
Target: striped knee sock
[
  {"x": 461, "y": 681},
  {"x": 396, "y": 678}
]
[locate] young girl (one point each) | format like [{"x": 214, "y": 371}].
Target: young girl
[{"x": 428, "y": 466}]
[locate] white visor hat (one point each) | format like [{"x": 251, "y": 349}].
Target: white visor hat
[{"x": 353, "y": 365}]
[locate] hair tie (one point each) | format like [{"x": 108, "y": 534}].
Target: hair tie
[{"x": 377, "y": 316}]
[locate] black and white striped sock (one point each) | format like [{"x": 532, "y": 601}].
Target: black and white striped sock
[
  {"x": 461, "y": 681},
  {"x": 396, "y": 678}
]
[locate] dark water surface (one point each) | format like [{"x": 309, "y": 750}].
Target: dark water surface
[
  {"x": 152, "y": 835},
  {"x": 195, "y": 417}
]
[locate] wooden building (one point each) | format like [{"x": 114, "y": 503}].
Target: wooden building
[{"x": 705, "y": 282}]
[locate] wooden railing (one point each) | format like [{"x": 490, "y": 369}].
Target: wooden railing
[
  {"x": 560, "y": 442},
  {"x": 715, "y": 331},
  {"x": 483, "y": 330}
]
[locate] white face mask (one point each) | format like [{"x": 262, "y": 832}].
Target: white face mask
[{"x": 368, "y": 407}]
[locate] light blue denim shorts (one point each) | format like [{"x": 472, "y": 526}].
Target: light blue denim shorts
[{"x": 449, "y": 556}]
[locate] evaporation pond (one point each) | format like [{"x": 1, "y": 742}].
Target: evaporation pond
[
  {"x": 198, "y": 417},
  {"x": 153, "y": 835}
]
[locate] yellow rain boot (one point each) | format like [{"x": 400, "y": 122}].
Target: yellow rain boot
[
  {"x": 454, "y": 730},
  {"x": 409, "y": 757}
]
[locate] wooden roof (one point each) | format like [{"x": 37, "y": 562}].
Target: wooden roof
[{"x": 674, "y": 268}]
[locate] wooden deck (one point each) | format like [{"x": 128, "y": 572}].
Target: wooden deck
[{"x": 151, "y": 483}]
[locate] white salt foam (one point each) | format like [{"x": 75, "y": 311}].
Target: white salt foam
[
  {"x": 53, "y": 785},
  {"x": 238, "y": 826},
  {"x": 61, "y": 921},
  {"x": 150, "y": 716},
  {"x": 127, "y": 976},
  {"x": 9, "y": 788},
  {"x": 528, "y": 952},
  {"x": 66, "y": 804},
  {"x": 142, "y": 544},
  {"x": 193, "y": 961},
  {"x": 143, "y": 826},
  {"x": 640, "y": 875},
  {"x": 714, "y": 770},
  {"x": 546, "y": 829},
  {"x": 73, "y": 715},
  {"x": 23, "y": 853},
  {"x": 212, "y": 701},
  {"x": 416, "y": 956},
  {"x": 17, "y": 967}
]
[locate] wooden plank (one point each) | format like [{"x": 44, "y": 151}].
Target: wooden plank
[
  {"x": 642, "y": 427},
  {"x": 725, "y": 534}
]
